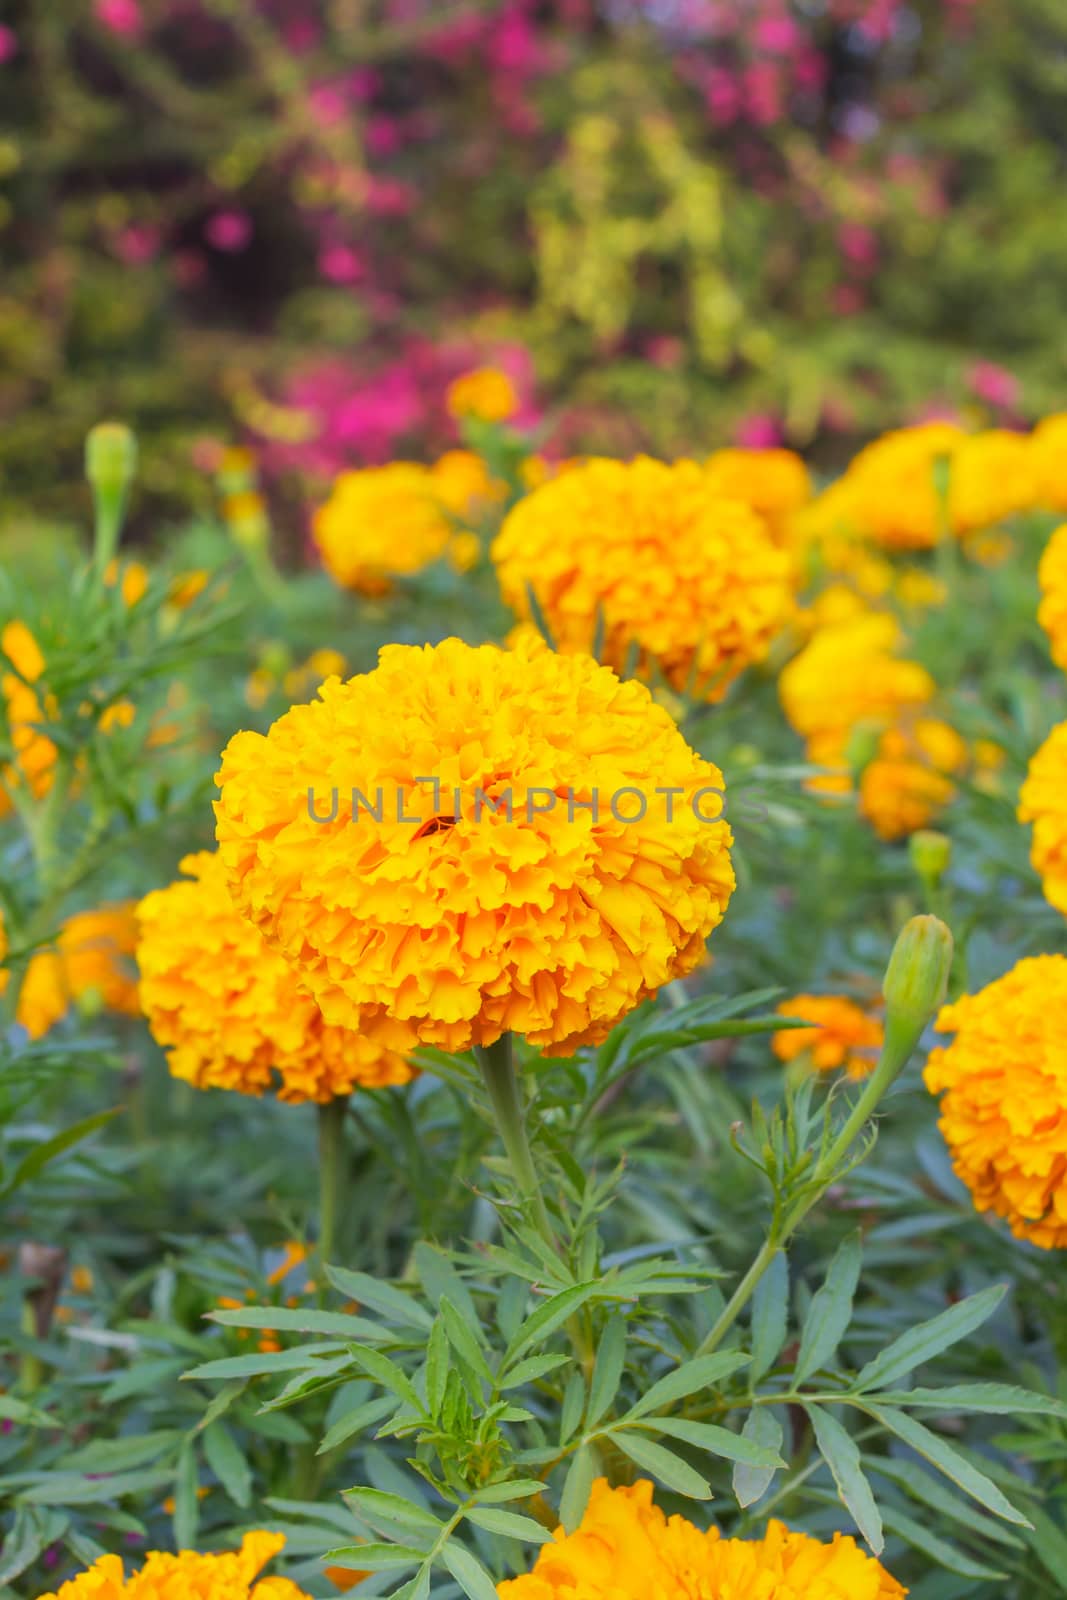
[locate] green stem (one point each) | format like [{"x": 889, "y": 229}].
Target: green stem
[
  {"x": 333, "y": 1172},
  {"x": 497, "y": 1064},
  {"x": 900, "y": 1041}
]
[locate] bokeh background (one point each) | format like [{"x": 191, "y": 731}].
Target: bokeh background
[{"x": 676, "y": 223}]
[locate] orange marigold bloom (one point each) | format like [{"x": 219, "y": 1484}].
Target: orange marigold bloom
[
  {"x": 230, "y": 1012},
  {"x": 35, "y": 754},
  {"x": 889, "y": 493},
  {"x": 1043, "y": 801},
  {"x": 87, "y": 966},
  {"x": 908, "y": 781},
  {"x": 1048, "y": 446},
  {"x": 843, "y": 1035},
  {"x": 381, "y": 523},
  {"x": 231, "y": 1575},
  {"x": 1052, "y": 576},
  {"x": 626, "y": 1549},
  {"x": 463, "y": 887},
  {"x": 992, "y": 477},
  {"x": 776, "y": 483},
  {"x": 1004, "y": 1080},
  {"x": 644, "y": 554},
  {"x": 486, "y": 393},
  {"x": 462, "y": 483}
]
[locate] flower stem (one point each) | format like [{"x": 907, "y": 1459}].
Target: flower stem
[
  {"x": 333, "y": 1172},
  {"x": 497, "y": 1064}
]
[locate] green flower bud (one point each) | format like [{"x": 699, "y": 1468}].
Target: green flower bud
[
  {"x": 931, "y": 854},
  {"x": 110, "y": 458},
  {"x": 916, "y": 978},
  {"x": 862, "y": 747}
]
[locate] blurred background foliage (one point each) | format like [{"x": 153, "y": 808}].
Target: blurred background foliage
[{"x": 677, "y": 222}]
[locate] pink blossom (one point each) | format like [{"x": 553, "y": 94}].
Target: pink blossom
[
  {"x": 848, "y": 299},
  {"x": 301, "y": 34},
  {"x": 778, "y": 34},
  {"x": 340, "y": 263},
  {"x": 763, "y": 93},
  {"x": 328, "y": 104},
  {"x": 121, "y": 16},
  {"x": 229, "y": 231},
  {"x": 138, "y": 243},
  {"x": 388, "y": 197},
  {"x": 858, "y": 244},
  {"x": 665, "y": 351},
  {"x": 994, "y": 384},
  {"x": 760, "y": 431},
  {"x": 9, "y": 45},
  {"x": 722, "y": 94},
  {"x": 383, "y": 135}
]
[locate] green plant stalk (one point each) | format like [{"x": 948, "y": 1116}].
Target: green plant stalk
[
  {"x": 497, "y": 1065},
  {"x": 900, "y": 1041},
  {"x": 333, "y": 1172}
]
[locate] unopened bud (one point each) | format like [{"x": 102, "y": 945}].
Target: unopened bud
[
  {"x": 931, "y": 854},
  {"x": 110, "y": 457},
  {"x": 862, "y": 747},
  {"x": 916, "y": 978}
]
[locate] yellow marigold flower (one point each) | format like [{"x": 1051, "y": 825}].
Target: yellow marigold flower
[
  {"x": 379, "y": 524},
  {"x": 1052, "y": 612},
  {"x": 850, "y": 674},
  {"x": 908, "y": 783},
  {"x": 88, "y": 965},
  {"x": 775, "y": 483},
  {"x": 1048, "y": 446},
  {"x": 992, "y": 477},
  {"x": 1004, "y": 1080},
  {"x": 890, "y": 492},
  {"x": 230, "y": 1012},
  {"x": 486, "y": 393},
  {"x": 464, "y": 552},
  {"x": 626, "y": 1549},
  {"x": 843, "y": 1035},
  {"x": 321, "y": 664},
  {"x": 463, "y": 888},
  {"x": 228, "y": 1576},
  {"x": 1043, "y": 801},
  {"x": 35, "y": 754},
  {"x": 644, "y": 553},
  {"x": 120, "y": 714},
  {"x": 462, "y": 483},
  {"x": 132, "y": 579},
  {"x": 187, "y": 587},
  {"x": 919, "y": 590}
]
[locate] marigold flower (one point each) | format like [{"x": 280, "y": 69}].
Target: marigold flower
[
  {"x": 439, "y": 913},
  {"x": 35, "y": 754},
  {"x": 643, "y": 553},
  {"x": 775, "y": 483},
  {"x": 843, "y": 1035},
  {"x": 908, "y": 781},
  {"x": 462, "y": 483},
  {"x": 1043, "y": 801},
  {"x": 486, "y": 393},
  {"x": 1004, "y": 1080},
  {"x": 1048, "y": 446},
  {"x": 890, "y": 493},
  {"x": 231, "y": 1575},
  {"x": 88, "y": 966},
  {"x": 381, "y": 523},
  {"x": 230, "y": 1012},
  {"x": 626, "y": 1549},
  {"x": 992, "y": 477},
  {"x": 1052, "y": 576}
]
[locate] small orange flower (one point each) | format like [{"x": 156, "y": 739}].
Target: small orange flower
[
  {"x": 843, "y": 1034},
  {"x": 486, "y": 393}
]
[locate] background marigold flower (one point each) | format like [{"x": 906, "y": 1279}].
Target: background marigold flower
[
  {"x": 88, "y": 965},
  {"x": 843, "y": 1035},
  {"x": 992, "y": 477},
  {"x": 1052, "y": 576},
  {"x": 889, "y": 494},
  {"x": 775, "y": 483},
  {"x": 228, "y": 1576},
  {"x": 1048, "y": 446},
  {"x": 643, "y": 554},
  {"x": 908, "y": 782},
  {"x": 462, "y": 483},
  {"x": 626, "y": 1549},
  {"x": 35, "y": 754},
  {"x": 1004, "y": 1111},
  {"x": 463, "y": 923},
  {"x": 1043, "y": 801},
  {"x": 230, "y": 1012},
  {"x": 381, "y": 523},
  {"x": 486, "y": 393}
]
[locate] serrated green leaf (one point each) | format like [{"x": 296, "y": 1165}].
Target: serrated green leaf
[
  {"x": 573, "y": 1406},
  {"x": 392, "y": 1303},
  {"x": 186, "y": 1518},
  {"x": 761, "y": 1428},
  {"x": 376, "y": 1557},
  {"x": 607, "y": 1369},
  {"x": 462, "y": 1339},
  {"x": 994, "y": 1399},
  {"x": 437, "y": 1364},
  {"x": 690, "y": 1378},
  {"x": 947, "y": 1459},
  {"x": 944, "y": 1555},
  {"x": 716, "y": 1440},
  {"x": 387, "y": 1373},
  {"x": 468, "y": 1572},
  {"x": 259, "y": 1365},
  {"x": 841, "y": 1454},
  {"x": 531, "y": 1368},
  {"x": 830, "y": 1312},
  {"x": 388, "y": 1511},
  {"x": 922, "y": 1343},
  {"x": 576, "y": 1487},
  {"x": 508, "y": 1524},
  {"x": 770, "y": 1316},
  {"x": 549, "y": 1316},
  {"x": 663, "y": 1464},
  {"x": 228, "y": 1463}
]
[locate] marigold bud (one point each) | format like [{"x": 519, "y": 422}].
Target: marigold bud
[
  {"x": 110, "y": 457},
  {"x": 917, "y": 975},
  {"x": 931, "y": 854}
]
